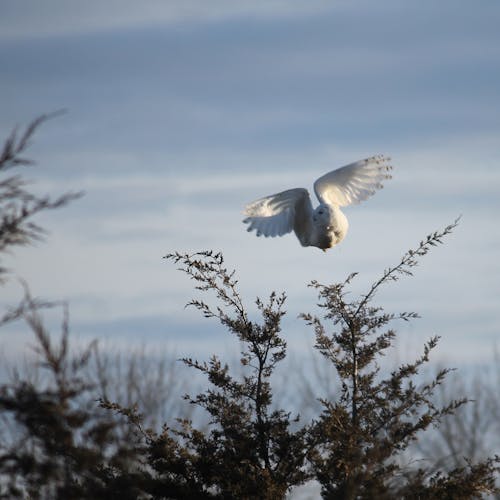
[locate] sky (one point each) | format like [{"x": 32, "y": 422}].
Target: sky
[{"x": 178, "y": 113}]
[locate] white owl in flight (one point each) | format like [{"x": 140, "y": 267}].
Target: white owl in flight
[{"x": 325, "y": 226}]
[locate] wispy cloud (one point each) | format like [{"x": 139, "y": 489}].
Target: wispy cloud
[
  {"x": 58, "y": 17},
  {"x": 183, "y": 111}
]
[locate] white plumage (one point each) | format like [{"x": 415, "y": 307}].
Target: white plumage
[{"x": 326, "y": 226}]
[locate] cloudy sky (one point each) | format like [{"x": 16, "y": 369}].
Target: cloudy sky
[{"x": 180, "y": 112}]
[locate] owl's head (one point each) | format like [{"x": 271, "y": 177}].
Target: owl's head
[{"x": 322, "y": 215}]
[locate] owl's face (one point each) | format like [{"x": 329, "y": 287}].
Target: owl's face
[{"x": 322, "y": 215}]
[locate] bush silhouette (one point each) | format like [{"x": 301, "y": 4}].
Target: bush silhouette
[{"x": 67, "y": 439}]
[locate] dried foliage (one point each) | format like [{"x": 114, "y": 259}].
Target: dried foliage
[
  {"x": 17, "y": 204},
  {"x": 252, "y": 451},
  {"x": 358, "y": 439},
  {"x": 71, "y": 437},
  {"x": 473, "y": 431},
  {"x": 62, "y": 444}
]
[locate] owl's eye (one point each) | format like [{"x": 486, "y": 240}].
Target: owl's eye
[{"x": 320, "y": 212}]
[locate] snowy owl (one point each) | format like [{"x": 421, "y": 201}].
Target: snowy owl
[{"x": 325, "y": 226}]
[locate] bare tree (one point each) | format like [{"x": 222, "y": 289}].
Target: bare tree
[{"x": 18, "y": 206}]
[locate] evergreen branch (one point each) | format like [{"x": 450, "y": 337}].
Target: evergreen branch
[{"x": 407, "y": 262}]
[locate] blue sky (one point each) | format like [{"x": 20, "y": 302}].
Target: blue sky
[{"x": 180, "y": 112}]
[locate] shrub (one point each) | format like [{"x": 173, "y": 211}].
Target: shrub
[{"x": 67, "y": 438}]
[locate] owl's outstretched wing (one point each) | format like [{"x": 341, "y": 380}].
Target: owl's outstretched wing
[
  {"x": 354, "y": 182},
  {"x": 280, "y": 213}
]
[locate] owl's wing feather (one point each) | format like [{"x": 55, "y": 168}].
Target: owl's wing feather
[
  {"x": 354, "y": 182},
  {"x": 280, "y": 213}
]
